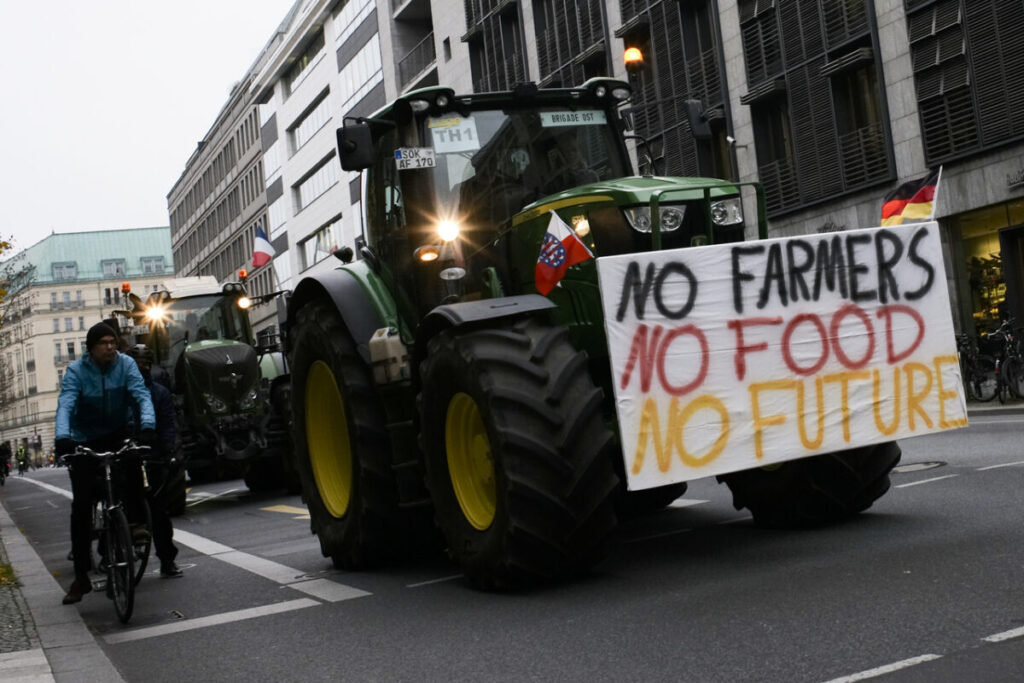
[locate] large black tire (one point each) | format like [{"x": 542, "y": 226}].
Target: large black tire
[
  {"x": 341, "y": 450},
  {"x": 815, "y": 491},
  {"x": 510, "y": 418}
]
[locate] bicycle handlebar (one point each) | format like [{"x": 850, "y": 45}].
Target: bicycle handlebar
[{"x": 129, "y": 446}]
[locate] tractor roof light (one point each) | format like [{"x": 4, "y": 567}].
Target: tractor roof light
[
  {"x": 634, "y": 59},
  {"x": 125, "y": 287}
]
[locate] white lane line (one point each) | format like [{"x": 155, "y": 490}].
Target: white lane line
[
  {"x": 278, "y": 573},
  {"x": 1005, "y": 635},
  {"x": 212, "y": 620},
  {"x": 686, "y": 502},
  {"x": 926, "y": 481},
  {"x": 48, "y": 487},
  {"x": 1005, "y": 464},
  {"x": 433, "y": 581},
  {"x": 882, "y": 670}
]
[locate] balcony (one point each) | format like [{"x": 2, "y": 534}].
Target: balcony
[
  {"x": 417, "y": 61},
  {"x": 410, "y": 10}
]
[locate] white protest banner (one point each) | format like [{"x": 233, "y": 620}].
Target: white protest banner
[{"x": 734, "y": 356}]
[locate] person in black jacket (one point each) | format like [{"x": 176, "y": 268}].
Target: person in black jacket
[{"x": 165, "y": 444}]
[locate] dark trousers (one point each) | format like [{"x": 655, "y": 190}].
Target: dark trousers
[
  {"x": 87, "y": 487},
  {"x": 163, "y": 532}
]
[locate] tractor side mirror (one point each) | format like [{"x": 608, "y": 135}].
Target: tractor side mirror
[
  {"x": 355, "y": 146},
  {"x": 699, "y": 125}
]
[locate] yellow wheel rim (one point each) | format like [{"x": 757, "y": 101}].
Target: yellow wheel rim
[
  {"x": 470, "y": 462},
  {"x": 330, "y": 451}
]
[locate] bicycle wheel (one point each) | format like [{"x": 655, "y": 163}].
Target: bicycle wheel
[
  {"x": 120, "y": 560},
  {"x": 983, "y": 379},
  {"x": 1013, "y": 375},
  {"x": 143, "y": 546}
]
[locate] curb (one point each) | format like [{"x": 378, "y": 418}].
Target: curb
[
  {"x": 68, "y": 650},
  {"x": 995, "y": 408}
]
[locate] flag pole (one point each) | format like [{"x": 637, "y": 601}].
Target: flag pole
[{"x": 935, "y": 195}]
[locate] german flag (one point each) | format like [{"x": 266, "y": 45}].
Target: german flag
[{"x": 912, "y": 201}]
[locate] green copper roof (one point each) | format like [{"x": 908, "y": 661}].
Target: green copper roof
[{"x": 89, "y": 251}]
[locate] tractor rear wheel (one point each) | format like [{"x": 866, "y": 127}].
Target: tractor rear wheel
[
  {"x": 518, "y": 458},
  {"x": 341, "y": 450},
  {"x": 815, "y": 491}
]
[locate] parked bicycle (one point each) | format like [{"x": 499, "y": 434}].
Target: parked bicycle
[
  {"x": 1011, "y": 365},
  {"x": 118, "y": 549},
  {"x": 979, "y": 370}
]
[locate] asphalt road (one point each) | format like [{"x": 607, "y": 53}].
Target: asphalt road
[{"x": 913, "y": 587}]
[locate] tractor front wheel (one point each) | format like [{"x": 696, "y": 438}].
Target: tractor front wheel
[
  {"x": 518, "y": 458},
  {"x": 341, "y": 451},
  {"x": 815, "y": 491}
]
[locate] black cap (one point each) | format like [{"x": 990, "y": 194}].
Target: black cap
[{"x": 97, "y": 332}]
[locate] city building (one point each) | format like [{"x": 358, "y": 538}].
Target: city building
[
  {"x": 57, "y": 289},
  {"x": 830, "y": 104}
]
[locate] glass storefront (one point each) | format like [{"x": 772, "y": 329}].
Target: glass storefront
[{"x": 988, "y": 258}]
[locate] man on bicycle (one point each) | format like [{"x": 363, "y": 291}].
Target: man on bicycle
[
  {"x": 161, "y": 479},
  {"x": 94, "y": 409}
]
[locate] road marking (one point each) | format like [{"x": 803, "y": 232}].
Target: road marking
[
  {"x": 926, "y": 481},
  {"x": 212, "y": 620},
  {"x": 268, "y": 569},
  {"x": 1005, "y": 635},
  {"x": 882, "y": 670},
  {"x": 686, "y": 502},
  {"x": 49, "y": 487},
  {"x": 301, "y": 513},
  {"x": 433, "y": 581},
  {"x": 1005, "y": 464}
]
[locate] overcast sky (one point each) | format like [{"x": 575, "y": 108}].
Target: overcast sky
[{"x": 104, "y": 101}]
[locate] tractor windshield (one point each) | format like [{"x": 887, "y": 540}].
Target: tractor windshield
[
  {"x": 490, "y": 164},
  {"x": 200, "y": 318}
]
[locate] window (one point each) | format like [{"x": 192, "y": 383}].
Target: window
[
  {"x": 364, "y": 69},
  {"x": 65, "y": 271},
  {"x": 67, "y": 299},
  {"x": 311, "y": 121},
  {"x": 60, "y": 375},
  {"x": 81, "y": 322},
  {"x": 816, "y": 99},
  {"x": 309, "y": 56},
  {"x": 152, "y": 265},
  {"x": 78, "y": 298},
  {"x": 108, "y": 296},
  {"x": 53, "y": 301},
  {"x": 321, "y": 243},
  {"x": 71, "y": 350},
  {"x": 113, "y": 267},
  {"x": 350, "y": 17},
  {"x": 81, "y": 347},
  {"x": 317, "y": 182},
  {"x": 56, "y": 324},
  {"x": 57, "y": 349},
  {"x": 68, "y": 327}
]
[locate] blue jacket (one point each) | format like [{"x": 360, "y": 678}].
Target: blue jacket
[{"x": 94, "y": 403}]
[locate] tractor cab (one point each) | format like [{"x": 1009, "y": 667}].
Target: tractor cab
[{"x": 460, "y": 189}]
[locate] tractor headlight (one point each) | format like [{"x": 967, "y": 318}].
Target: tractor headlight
[
  {"x": 249, "y": 400},
  {"x": 671, "y": 217},
  {"x": 156, "y": 313},
  {"x": 215, "y": 404},
  {"x": 448, "y": 230},
  {"x": 727, "y": 211}
]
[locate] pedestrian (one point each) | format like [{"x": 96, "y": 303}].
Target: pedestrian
[
  {"x": 167, "y": 470},
  {"x": 94, "y": 409}
]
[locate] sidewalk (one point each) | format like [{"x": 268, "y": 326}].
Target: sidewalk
[{"x": 42, "y": 640}]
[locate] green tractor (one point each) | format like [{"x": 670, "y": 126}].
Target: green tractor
[
  {"x": 433, "y": 387},
  {"x": 230, "y": 396}
]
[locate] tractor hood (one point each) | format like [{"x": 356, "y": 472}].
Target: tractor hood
[
  {"x": 630, "y": 191},
  {"x": 223, "y": 369}
]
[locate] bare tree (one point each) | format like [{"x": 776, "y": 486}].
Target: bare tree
[{"x": 17, "y": 276}]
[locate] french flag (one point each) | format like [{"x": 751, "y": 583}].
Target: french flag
[
  {"x": 562, "y": 248},
  {"x": 262, "y": 250}
]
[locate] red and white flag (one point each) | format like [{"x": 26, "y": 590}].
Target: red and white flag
[
  {"x": 262, "y": 250},
  {"x": 562, "y": 248}
]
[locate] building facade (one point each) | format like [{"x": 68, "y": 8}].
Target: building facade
[
  {"x": 830, "y": 104},
  {"x": 59, "y": 288}
]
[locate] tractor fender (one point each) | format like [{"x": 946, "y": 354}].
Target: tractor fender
[
  {"x": 349, "y": 288},
  {"x": 473, "y": 313}
]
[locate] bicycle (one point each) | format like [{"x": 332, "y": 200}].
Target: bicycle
[
  {"x": 979, "y": 370},
  {"x": 1012, "y": 366},
  {"x": 113, "y": 530}
]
